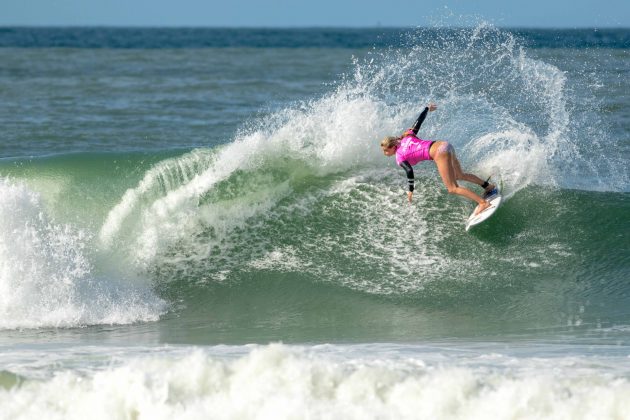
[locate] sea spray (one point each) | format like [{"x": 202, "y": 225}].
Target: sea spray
[
  {"x": 160, "y": 179},
  {"x": 317, "y": 142},
  {"x": 307, "y": 184},
  {"x": 289, "y": 165},
  {"x": 47, "y": 277}
]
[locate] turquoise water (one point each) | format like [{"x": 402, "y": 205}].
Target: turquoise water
[{"x": 169, "y": 215}]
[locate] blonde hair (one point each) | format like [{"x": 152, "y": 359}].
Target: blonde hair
[{"x": 390, "y": 141}]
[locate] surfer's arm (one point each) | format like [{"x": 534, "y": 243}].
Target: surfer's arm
[
  {"x": 419, "y": 121},
  {"x": 409, "y": 171},
  {"x": 421, "y": 117}
]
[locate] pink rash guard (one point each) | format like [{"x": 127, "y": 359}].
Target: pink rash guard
[{"x": 412, "y": 149}]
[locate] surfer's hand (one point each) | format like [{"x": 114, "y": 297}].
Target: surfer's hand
[
  {"x": 409, "y": 195},
  {"x": 432, "y": 107}
]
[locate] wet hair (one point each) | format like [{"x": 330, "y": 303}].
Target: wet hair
[{"x": 390, "y": 141}]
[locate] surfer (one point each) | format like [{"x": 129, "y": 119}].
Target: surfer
[{"x": 409, "y": 150}]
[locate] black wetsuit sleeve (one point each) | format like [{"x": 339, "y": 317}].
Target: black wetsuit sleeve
[
  {"x": 409, "y": 170},
  {"x": 420, "y": 120}
]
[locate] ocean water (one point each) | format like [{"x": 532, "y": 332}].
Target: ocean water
[{"x": 200, "y": 224}]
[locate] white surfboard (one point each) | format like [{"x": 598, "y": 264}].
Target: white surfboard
[{"x": 495, "y": 202}]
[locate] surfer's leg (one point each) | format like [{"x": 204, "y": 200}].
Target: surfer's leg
[
  {"x": 464, "y": 176},
  {"x": 446, "y": 169}
]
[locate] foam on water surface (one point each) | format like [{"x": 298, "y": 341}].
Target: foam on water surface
[{"x": 282, "y": 382}]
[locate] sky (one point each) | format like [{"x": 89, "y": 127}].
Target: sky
[{"x": 316, "y": 13}]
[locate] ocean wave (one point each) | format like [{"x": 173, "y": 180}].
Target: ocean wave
[
  {"x": 305, "y": 191},
  {"x": 47, "y": 274},
  {"x": 280, "y": 382},
  {"x": 532, "y": 139}
]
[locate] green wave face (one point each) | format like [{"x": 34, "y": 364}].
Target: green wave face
[{"x": 283, "y": 250}]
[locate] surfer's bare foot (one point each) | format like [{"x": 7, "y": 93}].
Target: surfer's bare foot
[{"x": 481, "y": 207}]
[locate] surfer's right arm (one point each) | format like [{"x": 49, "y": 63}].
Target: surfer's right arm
[{"x": 410, "y": 178}]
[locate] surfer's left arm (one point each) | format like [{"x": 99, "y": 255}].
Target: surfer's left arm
[{"x": 421, "y": 117}]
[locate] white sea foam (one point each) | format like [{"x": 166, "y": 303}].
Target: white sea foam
[
  {"x": 164, "y": 176},
  {"x": 326, "y": 136},
  {"x": 47, "y": 277},
  {"x": 280, "y": 382}
]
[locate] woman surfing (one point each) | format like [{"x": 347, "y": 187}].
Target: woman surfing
[{"x": 409, "y": 150}]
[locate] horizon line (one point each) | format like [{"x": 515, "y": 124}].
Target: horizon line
[{"x": 289, "y": 27}]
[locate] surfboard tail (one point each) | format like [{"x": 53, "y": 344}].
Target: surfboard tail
[{"x": 475, "y": 219}]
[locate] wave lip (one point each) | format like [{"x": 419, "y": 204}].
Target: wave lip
[{"x": 47, "y": 275}]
